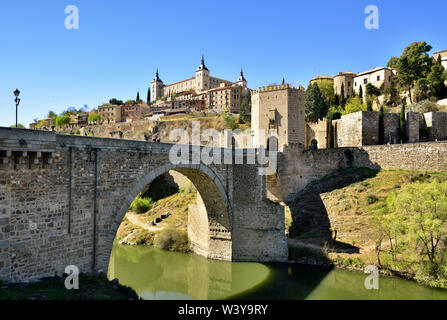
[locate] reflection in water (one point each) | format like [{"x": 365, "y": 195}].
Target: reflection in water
[{"x": 158, "y": 274}]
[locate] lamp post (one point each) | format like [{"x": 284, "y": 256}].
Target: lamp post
[{"x": 17, "y": 100}]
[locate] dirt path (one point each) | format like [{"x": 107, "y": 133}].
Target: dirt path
[{"x": 133, "y": 218}]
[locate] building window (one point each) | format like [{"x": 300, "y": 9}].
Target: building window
[
  {"x": 378, "y": 78},
  {"x": 365, "y": 81}
]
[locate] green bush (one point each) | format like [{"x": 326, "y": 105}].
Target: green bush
[
  {"x": 172, "y": 239},
  {"x": 371, "y": 199},
  {"x": 141, "y": 205}
]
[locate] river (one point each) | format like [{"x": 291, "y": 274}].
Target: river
[{"x": 157, "y": 274}]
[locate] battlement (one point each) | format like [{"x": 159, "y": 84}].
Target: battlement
[{"x": 276, "y": 87}]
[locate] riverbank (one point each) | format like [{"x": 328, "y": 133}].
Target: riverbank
[
  {"x": 91, "y": 287},
  {"x": 347, "y": 221}
]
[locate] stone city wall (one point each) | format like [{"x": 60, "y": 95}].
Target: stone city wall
[{"x": 297, "y": 167}]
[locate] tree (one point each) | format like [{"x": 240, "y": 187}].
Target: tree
[
  {"x": 316, "y": 107},
  {"x": 330, "y": 133},
  {"x": 148, "y": 95},
  {"x": 361, "y": 93},
  {"x": 354, "y": 105},
  {"x": 62, "y": 121},
  {"x": 116, "y": 102},
  {"x": 138, "y": 96},
  {"x": 369, "y": 105},
  {"x": 435, "y": 80},
  {"x": 245, "y": 109},
  {"x": 392, "y": 96},
  {"x": 327, "y": 90},
  {"x": 423, "y": 208},
  {"x": 19, "y": 125},
  {"x": 52, "y": 114},
  {"x": 69, "y": 111},
  {"x": 336, "y": 100},
  {"x": 94, "y": 118},
  {"x": 381, "y": 125},
  {"x": 342, "y": 95},
  {"x": 413, "y": 64},
  {"x": 372, "y": 90},
  {"x": 421, "y": 89},
  {"x": 283, "y": 82},
  {"x": 402, "y": 122}
]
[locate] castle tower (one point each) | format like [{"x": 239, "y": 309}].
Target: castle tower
[
  {"x": 278, "y": 109},
  {"x": 202, "y": 77},
  {"x": 241, "y": 80},
  {"x": 156, "y": 88}
]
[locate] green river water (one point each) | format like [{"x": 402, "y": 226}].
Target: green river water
[{"x": 163, "y": 275}]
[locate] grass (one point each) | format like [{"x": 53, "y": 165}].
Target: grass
[
  {"x": 349, "y": 210},
  {"x": 176, "y": 204},
  {"x": 91, "y": 287}
]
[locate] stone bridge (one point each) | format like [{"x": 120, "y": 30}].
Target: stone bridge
[{"x": 62, "y": 199}]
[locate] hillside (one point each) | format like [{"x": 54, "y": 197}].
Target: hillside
[
  {"x": 333, "y": 220},
  {"x": 136, "y": 228}
]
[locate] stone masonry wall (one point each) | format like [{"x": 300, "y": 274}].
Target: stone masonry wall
[
  {"x": 391, "y": 128},
  {"x": 297, "y": 168},
  {"x": 62, "y": 199},
  {"x": 437, "y": 125}
]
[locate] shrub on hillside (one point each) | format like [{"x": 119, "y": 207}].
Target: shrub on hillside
[
  {"x": 141, "y": 205},
  {"x": 172, "y": 239}
]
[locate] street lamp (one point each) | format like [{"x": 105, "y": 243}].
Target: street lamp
[{"x": 17, "y": 100}]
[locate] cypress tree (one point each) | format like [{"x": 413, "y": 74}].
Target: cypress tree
[
  {"x": 403, "y": 122},
  {"x": 138, "y": 96},
  {"x": 148, "y": 95},
  {"x": 330, "y": 133},
  {"x": 336, "y": 100},
  {"x": 361, "y": 93},
  {"x": 342, "y": 96},
  {"x": 381, "y": 126},
  {"x": 369, "y": 105}
]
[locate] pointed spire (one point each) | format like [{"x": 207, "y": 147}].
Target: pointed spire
[
  {"x": 157, "y": 78},
  {"x": 241, "y": 76},
  {"x": 202, "y": 64}
]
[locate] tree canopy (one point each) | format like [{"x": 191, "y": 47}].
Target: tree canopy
[
  {"x": 413, "y": 64},
  {"x": 116, "y": 102},
  {"x": 62, "y": 121},
  {"x": 94, "y": 117},
  {"x": 316, "y": 106},
  {"x": 245, "y": 109}
]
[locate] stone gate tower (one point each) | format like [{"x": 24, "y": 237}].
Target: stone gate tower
[{"x": 278, "y": 113}]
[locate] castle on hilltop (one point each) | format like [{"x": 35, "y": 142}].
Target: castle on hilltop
[{"x": 209, "y": 92}]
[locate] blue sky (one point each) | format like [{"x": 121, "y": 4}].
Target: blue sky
[{"x": 119, "y": 45}]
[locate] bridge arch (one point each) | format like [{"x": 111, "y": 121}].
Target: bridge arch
[{"x": 210, "y": 220}]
